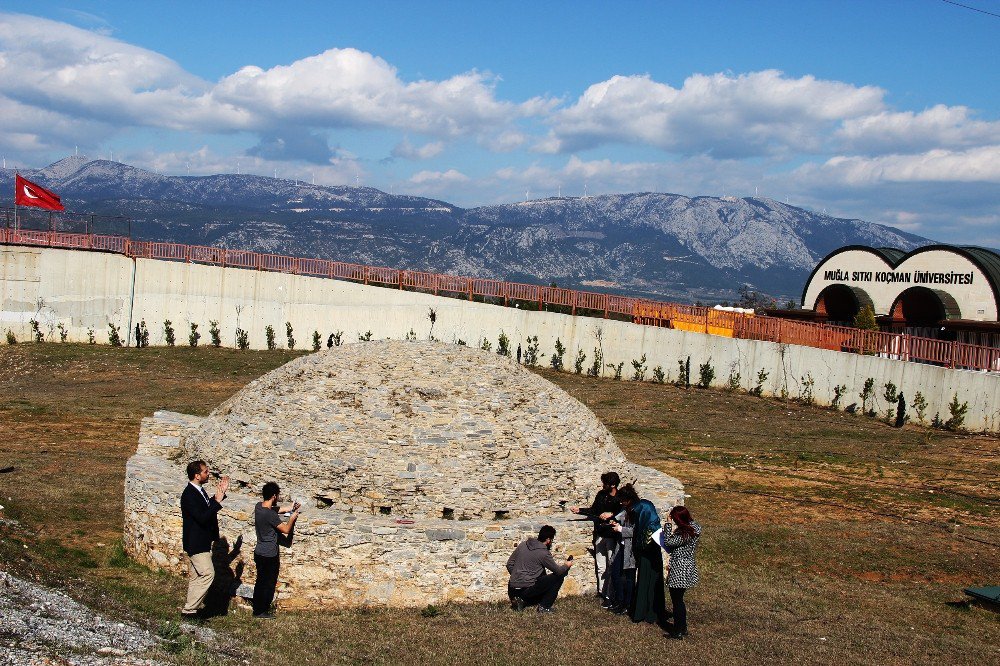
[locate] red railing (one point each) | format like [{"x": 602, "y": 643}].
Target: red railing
[{"x": 688, "y": 317}]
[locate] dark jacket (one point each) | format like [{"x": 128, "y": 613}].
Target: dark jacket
[
  {"x": 529, "y": 561},
  {"x": 200, "y": 521},
  {"x": 603, "y": 502}
]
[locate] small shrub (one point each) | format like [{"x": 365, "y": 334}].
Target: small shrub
[
  {"x": 503, "y": 345},
  {"x": 36, "y": 331},
  {"x": 114, "y": 335},
  {"x": 617, "y": 369},
  {"x": 194, "y": 336},
  {"x": 531, "y": 355},
  {"x": 891, "y": 395},
  {"x": 242, "y": 339},
  {"x": 63, "y": 333},
  {"x": 865, "y": 319},
  {"x": 639, "y": 369},
  {"x": 936, "y": 422},
  {"x": 920, "y": 407},
  {"x": 806, "y": 394},
  {"x": 430, "y": 610},
  {"x": 432, "y": 315},
  {"x": 168, "y": 333},
  {"x": 317, "y": 341},
  {"x": 338, "y": 338},
  {"x": 289, "y": 338},
  {"x": 706, "y": 373},
  {"x": 682, "y": 377},
  {"x": 733, "y": 383},
  {"x": 485, "y": 345},
  {"x": 866, "y": 395},
  {"x": 91, "y": 338},
  {"x": 758, "y": 389},
  {"x": 215, "y": 333},
  {"x": 598, "y": 364},
  {"x": 365, "y": 337},
  {"x": 12, "y": 339},
  {"x": 269, "y": 335},
  {"x": 838, "y": 395},
  {"x": 901, "y": 415},
  {"x": 557, "y": 357},
  {"x": 581, "y": 357},
  {"x": 658, "y": 375},
  {"x": 461, "y": 343},
  {"x": 143, "y": 340},
  {"x": 410, "y": 337},
  {"x": 957, "y": 413}
]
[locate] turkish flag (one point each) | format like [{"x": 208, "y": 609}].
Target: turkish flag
[{"x": 26, "y": 193}]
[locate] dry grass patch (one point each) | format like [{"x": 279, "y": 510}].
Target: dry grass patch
[{"x": 829, "y": 538}]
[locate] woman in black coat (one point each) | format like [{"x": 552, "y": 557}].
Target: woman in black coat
[{"x": 682, "y": 571}]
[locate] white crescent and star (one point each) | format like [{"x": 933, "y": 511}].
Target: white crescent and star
[{"x": 27, "y": 192}]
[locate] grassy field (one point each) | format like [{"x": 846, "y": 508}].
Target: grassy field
[{"x": 828, "y": 537}]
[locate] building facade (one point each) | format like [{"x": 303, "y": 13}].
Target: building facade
[{"x": 940, "y": 291}]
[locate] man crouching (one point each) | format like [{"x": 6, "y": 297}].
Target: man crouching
[{"x": 529, "y": 584}]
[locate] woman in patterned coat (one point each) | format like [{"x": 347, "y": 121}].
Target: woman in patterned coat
[{"x": 682, "y": 570}]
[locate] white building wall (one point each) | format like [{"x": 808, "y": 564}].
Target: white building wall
[
  {"x": 88, "y": 289},
  {"x": 862, "y": 269}
]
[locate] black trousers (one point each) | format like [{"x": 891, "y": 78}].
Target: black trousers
[
  {"x": 680, "y": 610},
  {"x": 543, "y": 592},
  {"x": 267, "y": 580}
]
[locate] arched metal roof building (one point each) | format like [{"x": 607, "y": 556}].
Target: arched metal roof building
[{"x": 927, "y": 291}]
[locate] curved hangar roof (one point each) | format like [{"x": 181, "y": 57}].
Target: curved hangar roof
[{"x": 966, "y": 277}]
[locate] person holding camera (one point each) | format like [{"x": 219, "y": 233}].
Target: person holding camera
[
  {"x": 529, "y": 584},
  {"x": 269, "y": 528},
  {"x": 605, "y": 540}
]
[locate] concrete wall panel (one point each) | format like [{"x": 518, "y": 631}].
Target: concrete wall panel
[{"x": 89, "y": 289}]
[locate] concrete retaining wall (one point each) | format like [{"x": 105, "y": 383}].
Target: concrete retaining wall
[{"x": 85, "y": 290}]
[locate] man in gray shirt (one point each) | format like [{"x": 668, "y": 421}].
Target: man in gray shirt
[
  {"x": 529, "y": 584},
  {"x": 268, "y": 524}
]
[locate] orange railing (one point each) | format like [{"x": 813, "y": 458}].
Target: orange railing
[{"x": 653, "y": 313}]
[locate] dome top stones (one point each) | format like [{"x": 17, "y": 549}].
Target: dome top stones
[{"x": 412, "y": 430}]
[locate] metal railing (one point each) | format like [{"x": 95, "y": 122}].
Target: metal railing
[{"x": 643, "y": 311}]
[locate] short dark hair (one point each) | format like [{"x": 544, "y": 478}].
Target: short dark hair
[
  {"x": 611, "y": 478},
  {"x": 547, "y": 532},
  {"x": 269, "y": 490},
  {"x": 194, "y": 468}
]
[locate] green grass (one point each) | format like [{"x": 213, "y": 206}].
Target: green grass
[{"x": 822, "y": 543}]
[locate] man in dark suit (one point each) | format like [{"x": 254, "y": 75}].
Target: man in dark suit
[{"x": 200, "y": 529}]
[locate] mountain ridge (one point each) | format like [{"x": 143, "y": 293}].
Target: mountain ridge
[{"x": 648, "y": 243}]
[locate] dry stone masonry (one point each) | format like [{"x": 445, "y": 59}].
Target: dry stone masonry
[{"x": 420, "y": 466}]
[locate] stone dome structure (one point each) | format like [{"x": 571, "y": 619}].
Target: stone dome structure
[
  {"x": 411, "y": 458},
  {"x": 412, "y": 429}
]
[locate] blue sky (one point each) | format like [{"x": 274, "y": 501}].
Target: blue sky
[{"x": 887, "y": 111}]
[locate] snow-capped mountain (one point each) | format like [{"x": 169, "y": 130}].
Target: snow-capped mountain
[{"x": 662, "y": 245}]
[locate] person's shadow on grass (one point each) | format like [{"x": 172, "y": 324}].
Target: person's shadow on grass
[{"x": 227, "y": 578}]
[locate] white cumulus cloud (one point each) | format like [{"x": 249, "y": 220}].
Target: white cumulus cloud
[
  {"x": 973, "y": 165},
  {"x": 760, "y": 113},
  {"x": 907, "y": 131}
]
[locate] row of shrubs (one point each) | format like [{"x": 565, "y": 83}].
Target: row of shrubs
[{"x": 531, "y": 356}]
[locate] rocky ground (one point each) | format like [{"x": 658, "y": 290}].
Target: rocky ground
[{"x": 39, "y": 625}]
